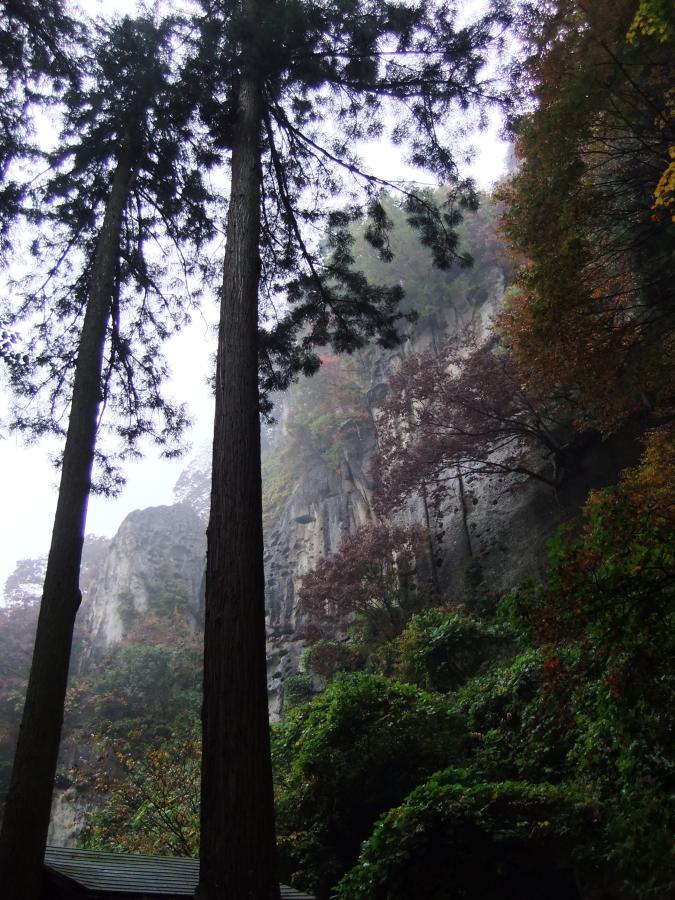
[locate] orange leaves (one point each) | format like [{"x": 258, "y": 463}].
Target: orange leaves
[
  {"x": 570, "y": 349},
  {"x": 152, "y": 802}
]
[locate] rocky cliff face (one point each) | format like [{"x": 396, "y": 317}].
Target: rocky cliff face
[
  {"x": 491, "y": 533},
  {"x": 154, "y": 562},
  {"x": 332, "y": 499},
  {"x": 325, "y": 504},
  {"x": 193, "y": 487}
]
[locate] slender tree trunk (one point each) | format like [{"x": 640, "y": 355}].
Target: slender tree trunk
[
  {"x": 238, "y": 847},
  {"x": 465, "y": 515},
  {"x": 430, "y": 542},
  {"x": 28, "y": 805}
]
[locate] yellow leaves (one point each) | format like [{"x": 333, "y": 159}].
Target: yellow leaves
[
  {"x": 652, "y": 482},
  {"x": 649, "y": 22},
  {"x": 664, "y": 193},
  {"x": 653, "y": 20}
]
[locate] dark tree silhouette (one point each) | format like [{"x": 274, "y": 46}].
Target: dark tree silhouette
[
  {"x": 34, "y": 66},
  {"x": 292, "y": 88},
  {"x": 119, "y": 178}
]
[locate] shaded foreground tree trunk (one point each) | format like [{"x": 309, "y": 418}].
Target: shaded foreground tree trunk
[
  {"x": 238, "y": 847},
  {"x": 28, "y": 805}
]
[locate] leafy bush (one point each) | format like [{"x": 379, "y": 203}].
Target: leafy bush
[
  {"x": 152, "y": 803},
  {"x": 454, "y": 840},
  {"x": 605, "y": 621},
  {"x": 326, "y": 658},
  {"x": 150, "y": 682},
  {"x": 345, "y": 758},
  {"x": 518, "y": 730},
  {"x": 297, "y": 689},
  {"x": 441, "y": 648},
  {"x": 154, "y": 676}
]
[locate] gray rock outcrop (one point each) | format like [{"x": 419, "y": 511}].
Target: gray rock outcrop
[{"x": 154, "y": 563}]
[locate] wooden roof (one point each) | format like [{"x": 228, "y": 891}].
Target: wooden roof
[{"x": 90, "y": 873}]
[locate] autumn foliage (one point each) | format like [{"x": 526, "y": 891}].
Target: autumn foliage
[
  {"x": 151, "y": 795},
  {"x": 591, "y": 312},
  {"x": 464, "y": 412},
  {"x": 371, "y": 578},
  {"x": 612, "y": 583},
  {"x": 605, "y": 621}
]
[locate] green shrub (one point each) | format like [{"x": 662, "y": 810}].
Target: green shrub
[
  {"x": 517, "y": 729},
  {"x": 297, "y": 689},
  {"x": 604, "y": 619},
  {"x": 326, "y": 658},
  {"x": 345, "y": 758},
  {"x": 441, "y": 648},
  {"x": 454, "y": 840},
  {"x": 152, "y": 681}
]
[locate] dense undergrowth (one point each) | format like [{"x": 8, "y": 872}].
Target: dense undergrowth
[
  {"x": 523, "y": 752},
  {"x": 558, "y": 731}
]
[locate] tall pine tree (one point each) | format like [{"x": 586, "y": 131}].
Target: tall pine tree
[
  {"x": 34, "y": 67},
  {"x": 122, "y": 178},
  {"x": 292, "y": 88}
]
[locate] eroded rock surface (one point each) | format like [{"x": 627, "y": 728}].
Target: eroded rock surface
[{"x": 154, "y": 562}]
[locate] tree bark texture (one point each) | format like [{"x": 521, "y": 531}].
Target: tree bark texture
[
  {"x": 238, "y": 847},
  {"x": 27, "y": 809}
]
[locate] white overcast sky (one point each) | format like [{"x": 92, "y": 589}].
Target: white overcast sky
[{"x": 28, "y": 482}]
